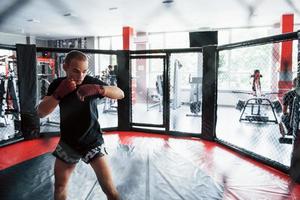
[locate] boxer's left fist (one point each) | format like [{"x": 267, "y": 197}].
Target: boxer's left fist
[{"x": 89, "y": 90}]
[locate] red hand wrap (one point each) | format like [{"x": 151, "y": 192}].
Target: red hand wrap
[
  {"x": 90, "y": 90},
  {"x": 64, "y": 88}
]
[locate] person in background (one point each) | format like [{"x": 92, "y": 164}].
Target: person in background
[
  {"x": 112, "y": 76},
  {"x": 256, "y": 86},
  {"x": 287, "y": 106}
]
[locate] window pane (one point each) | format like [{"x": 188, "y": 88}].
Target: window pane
[
  {"x": 156, "y": 41},
  {"x": 116, "y": 43},
  {"x": 105, "y": 43}
]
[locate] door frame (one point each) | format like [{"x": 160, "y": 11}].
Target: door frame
[{"x": 165, "y": 125}]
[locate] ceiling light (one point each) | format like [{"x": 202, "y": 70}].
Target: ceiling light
[
  {"x": 113, "y": 8},
  {"x": 168, "y": 1},
  {"x": 33, "y": 20},
  {"x": 69, "y": 15}
]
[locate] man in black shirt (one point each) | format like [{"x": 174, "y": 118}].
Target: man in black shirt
[
  {"x": 81, "y": 137},
  {"x": 287, "y": 106}
]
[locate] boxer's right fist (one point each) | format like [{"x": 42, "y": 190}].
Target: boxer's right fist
[{"x": 65, "y": 87}]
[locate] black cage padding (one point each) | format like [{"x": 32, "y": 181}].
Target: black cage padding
[
  {"x": 27, "y": 82},
  {"x": 295, "y": 158},
  {"x": 123, "y": 74},
  {"x": 209, "y": 92}
]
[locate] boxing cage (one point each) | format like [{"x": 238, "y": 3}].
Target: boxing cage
[{"x": 27, "y": 76}]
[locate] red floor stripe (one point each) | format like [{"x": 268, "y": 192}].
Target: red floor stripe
[{"x": 25, "y": 150}]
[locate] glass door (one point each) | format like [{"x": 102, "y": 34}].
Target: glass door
[
  {"x": 185, "y": 105},
  {"x": 147, "y": 91}
]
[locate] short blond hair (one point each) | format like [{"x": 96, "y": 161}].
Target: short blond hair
[{"x": 75, "y": 54}]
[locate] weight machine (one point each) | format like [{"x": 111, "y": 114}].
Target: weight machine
[
  {"x": 195, "y": 105},
  {"x": 46, "y": 74},
  {"x": 258, "y": 104},
  {"x": 176, "y": 103},
  {"x": 158, "y": 96},
  {"x": 109, "y": 76},
  {"x": 8, "y": 94}
]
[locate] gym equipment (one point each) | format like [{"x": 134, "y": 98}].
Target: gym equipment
[
  {"x": 195, "y": 105},
  {"x": 276, "y": 104},
  {"x": 44, "y": 84},
  {"x": 176, "y": 85},
  {"x": 259, "y": 104},
  {"x": 256, "y": 106},
  {"x": 285, "y": 137},
  {"x": 240, "y": 105},
  {"x": 11, "y": 98},
  {"x": 2, "y": 92},
  {"x": 158, "y": 96},
  {"x": 110, "y": 106},
  {"x": 108, "y": 76},
  {"x": 9, "y": 108},
  {"x": 46, "y": 74},
  {"x": 9, "y": 81}
]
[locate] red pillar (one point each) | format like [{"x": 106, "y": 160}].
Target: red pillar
[
  {"x": 127, "y": 37},
  {"x": 275, "y": 67},
  {"x": 141, "y": 71},
  {"x": 285, "y": 73},
  {"x": 128, "y": 33}
]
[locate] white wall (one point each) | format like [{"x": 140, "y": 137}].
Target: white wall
[{"x": 12, "y": 39}]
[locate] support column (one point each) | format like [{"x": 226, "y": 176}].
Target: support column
[
  {"x": 124, "y": 111},
  {"x": 208, "y": 40},
  {"x": 27, "y": 78},
  {"x": 141, "y": 67},
  {"x": 209, "y": 92},
  {"x": 128, "y": 33},
  {"x": 295, "y": 159},
  {"x": 127, "y": 37},
  {"x": 285, "y": 72}
]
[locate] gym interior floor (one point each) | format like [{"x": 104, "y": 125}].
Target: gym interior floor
[
  {"x": 145, "y": 166},
  {"x": 259, "y": 138}
]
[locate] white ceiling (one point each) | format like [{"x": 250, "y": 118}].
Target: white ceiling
[{"x": 107, "y": 17}]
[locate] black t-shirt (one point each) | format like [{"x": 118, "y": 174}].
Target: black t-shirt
[
  {"x": 288, "y": 99},
  {"x": 79, "y": 124}
]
